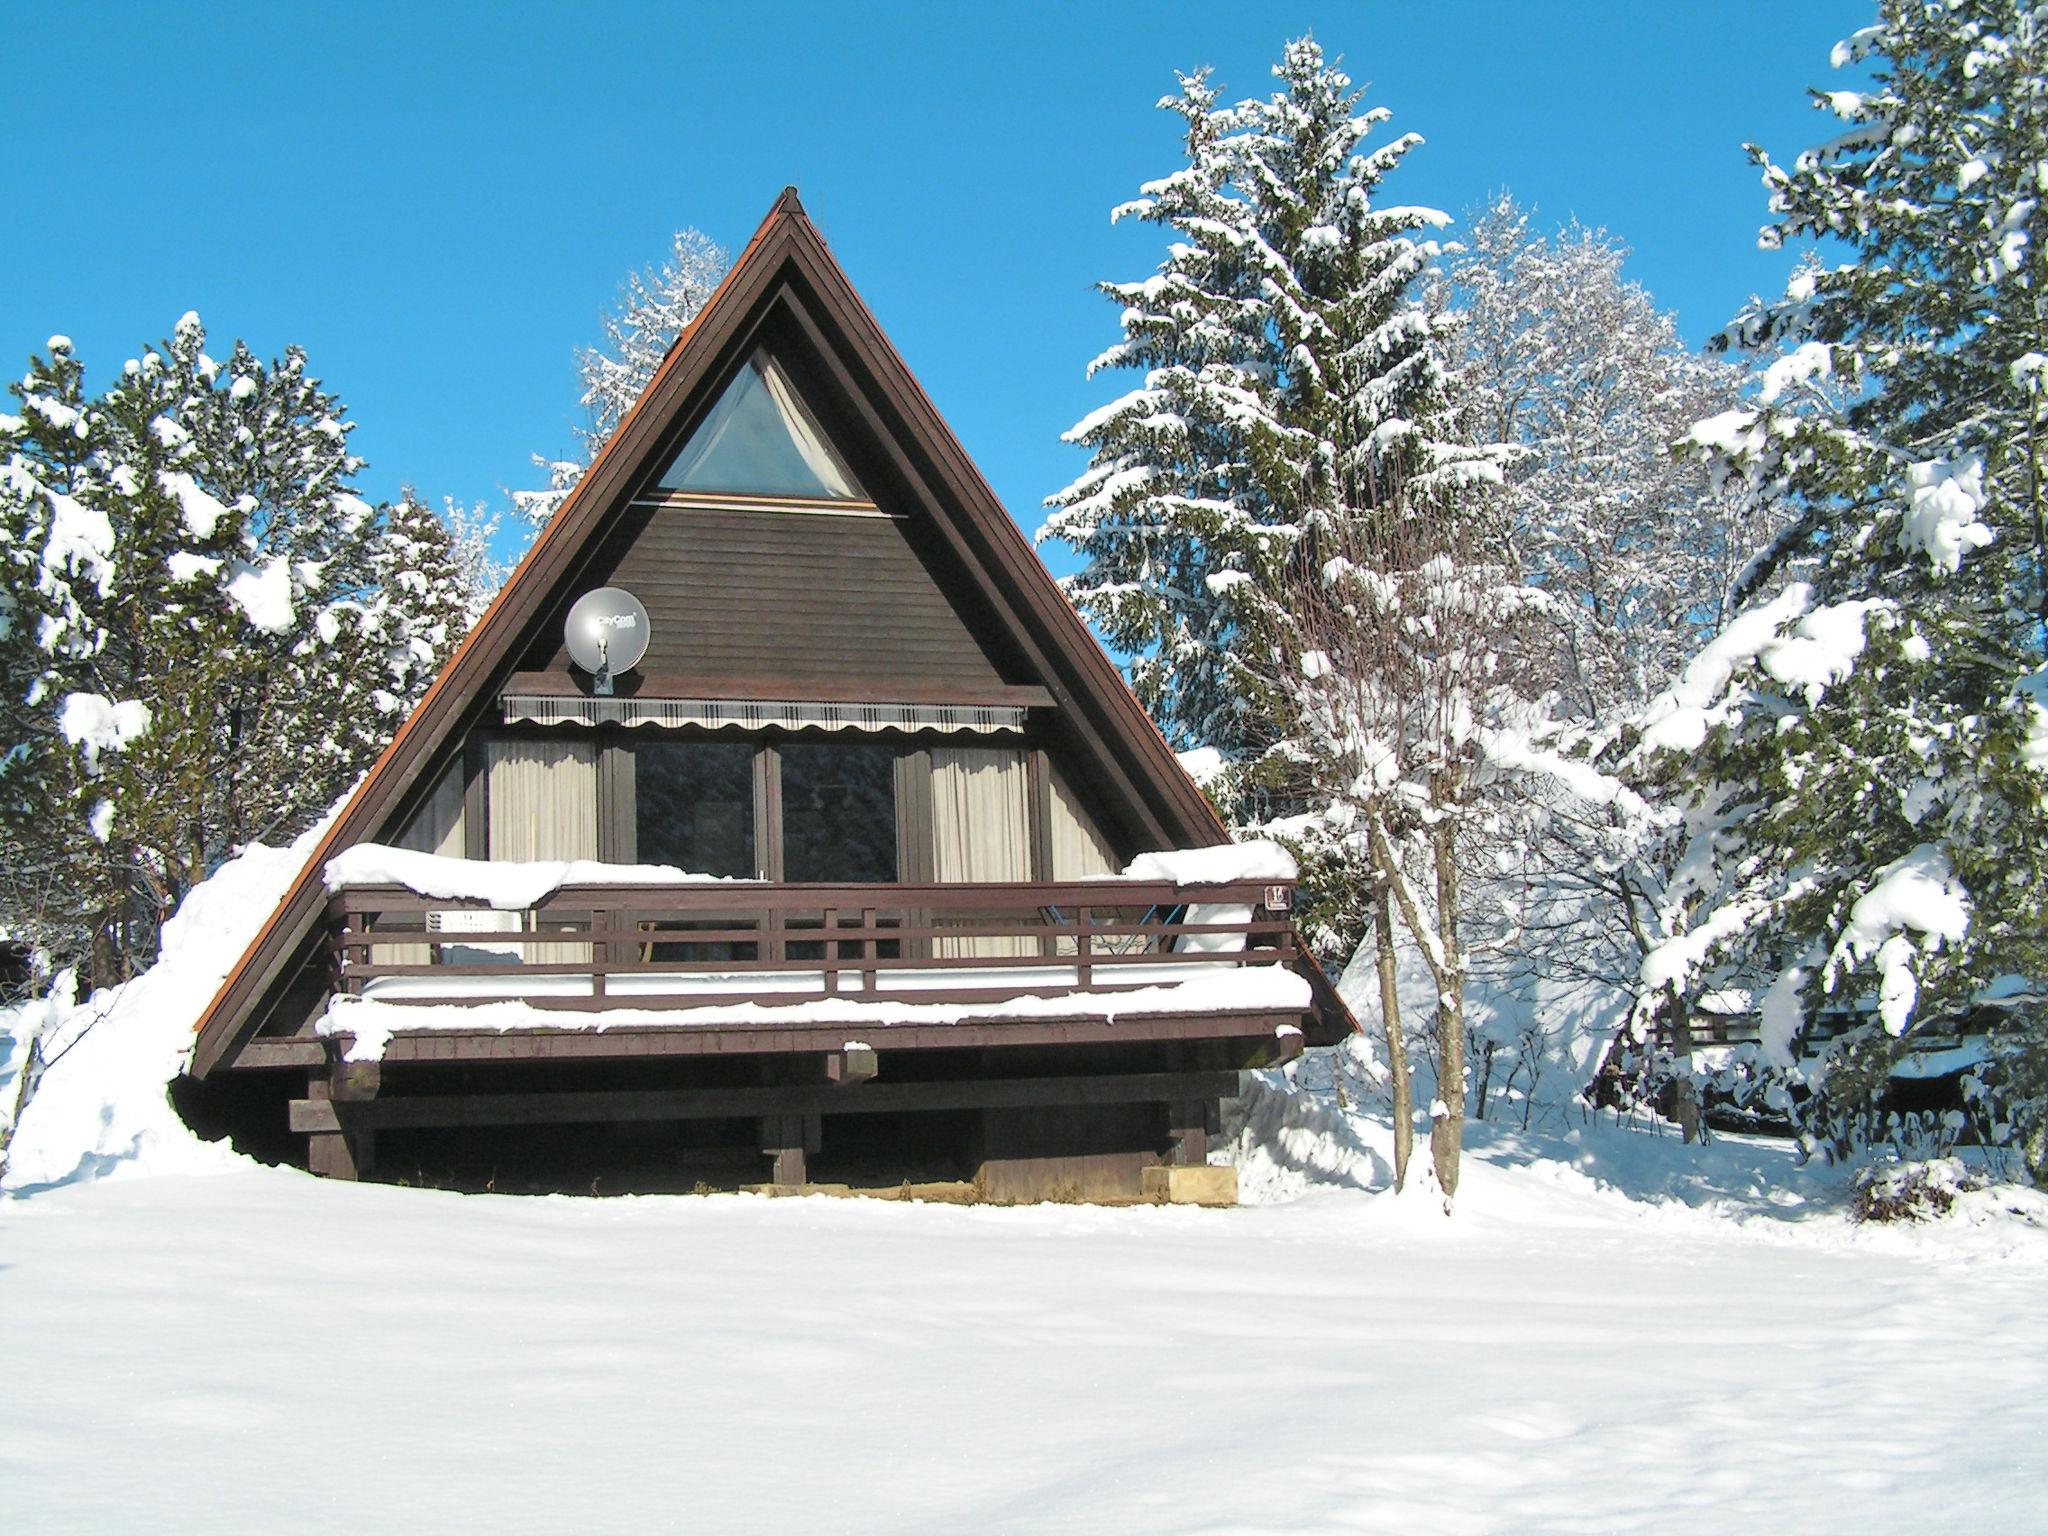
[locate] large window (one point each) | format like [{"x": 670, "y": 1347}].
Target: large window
[
  {"x": 838, "y": 812},
  {"x": 693, "y": 806},
  {"x": 829, "y": 811}
]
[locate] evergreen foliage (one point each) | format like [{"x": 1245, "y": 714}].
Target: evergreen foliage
[
  {"x": 207, "y": 633},
  {"x": 1869, "y": 736},
  {"x": 1290, "y": 380}
]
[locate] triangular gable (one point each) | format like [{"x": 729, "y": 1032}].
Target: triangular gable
[{"x": 785, "y": 269}]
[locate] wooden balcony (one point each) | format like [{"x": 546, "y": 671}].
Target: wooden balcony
[{"x": 592, "y": 948}]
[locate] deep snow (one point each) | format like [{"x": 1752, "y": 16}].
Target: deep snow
[{"x": 260, "y": 1349}]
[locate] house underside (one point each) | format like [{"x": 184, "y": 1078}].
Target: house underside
[{"x": 868, "y": 869}]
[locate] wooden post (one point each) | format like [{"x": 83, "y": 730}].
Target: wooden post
[
  {"x": 327, "y": 1152},
  {"x": 786, "y": 1138},
  {"x": 1189, "y": 1125},
  {"x": 342, "y": 1150}
]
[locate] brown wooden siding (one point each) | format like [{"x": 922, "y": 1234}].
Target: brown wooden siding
[{"x": 804, "y": 598}]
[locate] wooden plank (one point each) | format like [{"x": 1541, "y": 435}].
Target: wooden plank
[
  {"x": 628, "y": 1043},
  {"x": 263, "y": 1054},
  {"x": 785, "y": 1109}
]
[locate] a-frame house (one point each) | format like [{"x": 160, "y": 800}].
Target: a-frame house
[{"x": 867, "y": 710}]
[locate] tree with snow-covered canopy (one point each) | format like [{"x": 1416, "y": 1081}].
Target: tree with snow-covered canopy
[
  {"x": 1293, "y": 404},
  {"x": 653, "y": 307},
  {"x": 1562, "y": 357},
  {"x": 1869, "y": 736},
  {"x": 1288, "y": 377},
  {"x": 207, "y": 633}
]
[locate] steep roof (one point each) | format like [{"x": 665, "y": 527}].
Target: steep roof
[{"x": 785, "y": 270}]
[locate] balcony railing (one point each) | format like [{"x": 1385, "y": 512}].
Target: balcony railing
[{"x": 670, "y": 946}]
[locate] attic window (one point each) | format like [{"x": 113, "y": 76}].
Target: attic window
[{"x": 760, "y": 440}]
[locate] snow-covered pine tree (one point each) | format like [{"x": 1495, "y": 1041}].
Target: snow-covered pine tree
[
  {"x": 1289, "y": 376},
  {"x": 1293, "y": 412},
  {"x": 197, "y": 650},
  {"x": 1869, "y": 742},
  {"x": 653, "y": 307}
]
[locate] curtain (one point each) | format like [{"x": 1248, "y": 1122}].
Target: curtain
[
  {"x": 803, "y": 432},
  {"x": 543, "y": 805},
  {"x": 436, "y": 827},
  {"x": 708, "y": 435},
  {"x": 1079, "y": 851},
  {"x": 981, "y": 830}
]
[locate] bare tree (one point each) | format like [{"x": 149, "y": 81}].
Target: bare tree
[{"x": 1406, "y": 668}]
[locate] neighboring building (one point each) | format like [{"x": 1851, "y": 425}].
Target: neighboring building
[{"x": 865, "y": 707}]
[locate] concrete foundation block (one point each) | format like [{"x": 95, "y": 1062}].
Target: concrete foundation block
[{"x": 1191, "y": 1186}]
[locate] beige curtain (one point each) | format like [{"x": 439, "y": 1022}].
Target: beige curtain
[
  {"x": 981, "y": 830},
  {"x": 1079, "y": 852},
  {"x": 543, "y": 805},
  {"x": 817, "y": 456},
  {"x": 436, "y": 827}
]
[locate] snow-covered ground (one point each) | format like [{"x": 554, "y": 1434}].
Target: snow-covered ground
[{"x": 257, "y": 1349}]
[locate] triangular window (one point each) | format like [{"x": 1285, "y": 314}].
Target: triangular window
[{"x": 759, "y": 440}]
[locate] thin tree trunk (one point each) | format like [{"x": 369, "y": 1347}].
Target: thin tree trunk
[
  {"x": 1397, "y": 1047},
  {"x": 1685, "y": 1093},
  {"x": 1447, "y": 1116}
]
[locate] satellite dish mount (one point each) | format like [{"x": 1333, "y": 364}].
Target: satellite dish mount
[{"x": 606, "y": 634}]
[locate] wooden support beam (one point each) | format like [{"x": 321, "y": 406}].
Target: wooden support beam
[
  {"x": 1188, "y": 1124},
  {"x": 1252, "y": 1034},
  {"x": 340, "y": 1142},
  {"x": 330, "y": 1151},
  {"x": 856, "y": 1064},
  {"x": 787, "y": 1138},
  {"x": 804, "y": 1103}
]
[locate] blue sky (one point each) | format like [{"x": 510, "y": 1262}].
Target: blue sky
[{"x": 437, "y": 200}]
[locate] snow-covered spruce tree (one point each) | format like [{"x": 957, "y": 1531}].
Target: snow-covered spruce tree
[
  {"x": 1289, "y": 377},
  {"x": 1291, "y": 388},
  {"x": 653, "y": 307},
  {"x": 191, "y": 579},
  {"x": 1562, "y": 357},
  {"x": 1285, "y": 365},
  {"x": 1868, "y": 744}
]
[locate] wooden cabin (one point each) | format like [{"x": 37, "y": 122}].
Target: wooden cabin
[{"x": 870, "y": 868}]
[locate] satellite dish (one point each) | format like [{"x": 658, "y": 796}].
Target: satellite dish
[{"x": 606, "y": 633}]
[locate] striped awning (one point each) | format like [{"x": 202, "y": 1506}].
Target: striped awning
[{"x": 760, "y": 714}]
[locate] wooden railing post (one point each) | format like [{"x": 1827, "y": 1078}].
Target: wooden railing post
[
  {"x": 1084, "y": 949},
  {"x": 830, "y": 949}
]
